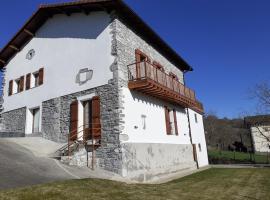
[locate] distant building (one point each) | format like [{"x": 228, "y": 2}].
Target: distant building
[
  {"x": 260, "y": 132},
  {"x": 92, "y": 72}
]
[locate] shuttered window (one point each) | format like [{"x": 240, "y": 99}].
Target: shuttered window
[
  {"x": 10, "y": 87},
  {"x": 21, "y": 84},
  {"x": 28, "y": 81},
  {"x": 171, "y": 121},
  {"x": 96, "y": 125},
  {"x": 73, "y": 120},
  {"x": 175, "y": 122},
  {"x": 167, "y": 121},
  {"x": 40, "y": 76}
]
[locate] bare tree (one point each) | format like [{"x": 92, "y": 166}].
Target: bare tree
[{"x": 261, "y": 122}]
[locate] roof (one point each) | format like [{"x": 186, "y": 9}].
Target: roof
[
  {"x": 257, "y": 120},
  {"x": 45, "y": 11}
]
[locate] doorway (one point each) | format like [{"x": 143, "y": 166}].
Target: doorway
[
  {"x": 35, "y": 123},
  {"x": 87, "y": 119}
]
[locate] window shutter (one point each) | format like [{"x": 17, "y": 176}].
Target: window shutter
[
  {"x": 40, "y": 76},
  {"x": 96, "y": 126},
  {"x": 10, "y": 87},
  {"x": 21, "y": 83},
  {"x": 167, "y": 120},
  {"x": 28, "y": 81},
  {"x": 175, "y": 122},
  {"x": 73, "y": 120}
]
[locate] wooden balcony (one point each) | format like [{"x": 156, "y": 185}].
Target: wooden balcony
[{"x": 148, "y": 79}]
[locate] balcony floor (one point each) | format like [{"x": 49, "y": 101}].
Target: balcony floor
[{"x": 152, "y": 88}]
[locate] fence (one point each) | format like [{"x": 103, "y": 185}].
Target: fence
[{"x": 234, "y": 157}]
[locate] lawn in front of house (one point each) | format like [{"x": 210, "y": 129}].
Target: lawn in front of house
[{"x": 214, "y": 183}]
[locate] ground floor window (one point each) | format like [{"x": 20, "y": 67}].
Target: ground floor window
[{"x": 171, "y": 121}]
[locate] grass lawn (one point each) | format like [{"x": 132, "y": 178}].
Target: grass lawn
[
  {"x": 241, "y": 156},
  {"x": 216, "y": 184}
]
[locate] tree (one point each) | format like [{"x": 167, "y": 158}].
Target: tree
[{"x": 261, "y": 93}]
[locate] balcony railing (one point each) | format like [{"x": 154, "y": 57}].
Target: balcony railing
[{"x": 148, "y": 79}]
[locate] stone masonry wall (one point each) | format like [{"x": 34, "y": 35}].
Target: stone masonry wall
[
  {"x": 127, "y": 42},
  {"x": 14, "y": 121}
]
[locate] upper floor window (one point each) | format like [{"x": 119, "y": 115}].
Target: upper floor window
[
  {"x": 140, "y": 56},
  {"x": 36, "y": 79},
  {"x": 32, "y": 80},
  {"x": 173, "y": 76},
  {"x": 159, "y": 66}
]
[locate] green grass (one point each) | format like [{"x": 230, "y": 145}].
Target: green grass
[
  {"x": 241, "y": 156},
  {"x": 216, "y": 184}
]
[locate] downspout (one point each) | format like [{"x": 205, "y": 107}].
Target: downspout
[{"x": 189, "y": 129}]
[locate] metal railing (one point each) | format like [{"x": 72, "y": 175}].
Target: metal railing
[
  {"x": 145, "y": 70},
  {"x": 86, "y": 132}
]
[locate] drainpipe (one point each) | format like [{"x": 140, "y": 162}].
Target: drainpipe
[{"x": 189, "y": 128}]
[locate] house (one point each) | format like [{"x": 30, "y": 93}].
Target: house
[
  {"x": 93, "y": 74},
  {"x": 259, "y": 126}
]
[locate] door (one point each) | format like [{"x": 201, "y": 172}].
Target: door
[
  {"x": 87, "y": 119},
  {"x": 36, "y": 114}
]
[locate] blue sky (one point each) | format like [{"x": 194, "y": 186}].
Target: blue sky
[{"x": 227, "y": 42}]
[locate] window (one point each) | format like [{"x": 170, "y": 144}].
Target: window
[
  {"x": 195, "y": 117},
  {"x": 140, "y": 56},
  {"x": 173, "y": 76},
  {"x": 200, "y": 148},
  {"x": 36, "y": 79},
  {"x": 18, "y": 85},
  {"x": 159, "y": 66},
  {"x": 171, "y": 121}
]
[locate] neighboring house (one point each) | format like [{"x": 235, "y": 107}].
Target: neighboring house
[
  {"x": 94, "y": 72},
  {"x": 260, "y": 132}
]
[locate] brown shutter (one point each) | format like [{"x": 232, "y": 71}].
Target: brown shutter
[
  {"x": 40, "y": 76},
  {"x": 73, "y": 120},
  {"x": 21, "y": 87},
  {"x": 10, "y": 87},
  {"x": 96, "y": 126},
  {"x": 28, "y": 81},
  {"x": 167, "y": 120},
  {"x": 175, "y": 122}
]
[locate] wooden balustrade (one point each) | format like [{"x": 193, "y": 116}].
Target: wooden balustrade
[{"x": 147, "y": 78}]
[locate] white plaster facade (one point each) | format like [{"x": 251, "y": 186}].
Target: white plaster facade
[
  {"x": 63, "y": 46},
  {"x": 145, "y": 123}
]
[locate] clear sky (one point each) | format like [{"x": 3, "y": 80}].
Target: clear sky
[{"x": 227, "y": 42}]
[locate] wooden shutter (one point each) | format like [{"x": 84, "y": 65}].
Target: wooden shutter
[
  {"x": 40, "y": 76},
  {"x": 21, "y": 87},
  {"x": 73, "y": 120},
  {"x": 175, "y": 122},
  {"x": 96, "y": 126},
  {"x": 28, "y": 81},
  {"x": 167, "y": 120},
  {"x": 10, "y": 87}
]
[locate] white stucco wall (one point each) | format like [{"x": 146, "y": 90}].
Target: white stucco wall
[
  {"x": 198, "y": 137},
  {"x": 259, "y": 138},
  {"x": 137, "y": 104},
  {"x": 63, "y": 46}
]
